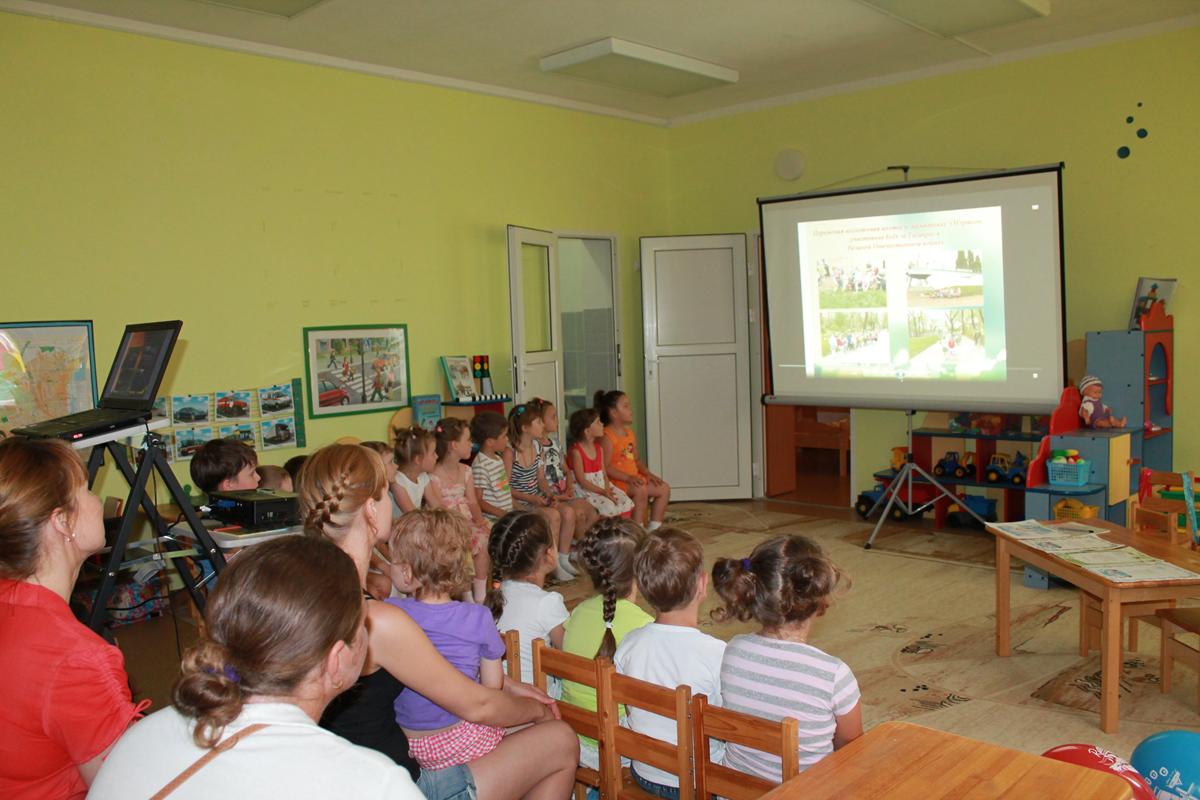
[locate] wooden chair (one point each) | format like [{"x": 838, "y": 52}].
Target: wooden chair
[
  {"x": 1091, "y": 617},
  {"x": 616, "y": 741},
  {"x": 512, "y": 654},
  {"x": 547, "y": 663},
  {"x": 776, "y": 738},
  {"x": 1154, "y": 513},
  {"x": 1176, "y": 621}
]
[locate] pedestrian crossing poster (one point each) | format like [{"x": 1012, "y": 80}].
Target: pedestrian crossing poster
[{"x": 356, "y": 369}]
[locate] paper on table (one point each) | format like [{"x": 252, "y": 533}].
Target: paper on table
[
  {"x": 1116, "y": 557},
  {"x": 1132, "y": 573},
  {"x": 1070, "y": 544},
  {"x": 1026, "y": 529},
  {"x": 1078, "y": 527}
]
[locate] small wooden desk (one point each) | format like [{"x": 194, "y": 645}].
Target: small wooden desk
[
  {"x": 899, "y": 760},
  {"x": 1111, "y": 595}
]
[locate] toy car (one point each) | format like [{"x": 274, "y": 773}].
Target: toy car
[
  {"x": 947, "y": 465},
  {"x": 982, "y": 506},
  {"x": 899, "y": 456},
  {"x": 1005, "y": 468},
  {"x": 866, "y": 501},
  {"x": 966, "y": 466}
]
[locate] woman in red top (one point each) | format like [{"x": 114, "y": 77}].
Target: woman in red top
[{"x": 67, "y": 696}]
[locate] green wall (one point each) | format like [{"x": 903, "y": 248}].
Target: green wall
[
  {"x": 146, "y": 179},
  {"x": 249, "y": 197},
  {"x": 1123, "y": 218}
]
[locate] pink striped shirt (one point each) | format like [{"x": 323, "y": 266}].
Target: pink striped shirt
[{"x": 773, "y": 679}]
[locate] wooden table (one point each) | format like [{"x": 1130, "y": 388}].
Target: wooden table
[
  {"x": 1111, "y": 595},
  {"x": 899, "y": 760}
]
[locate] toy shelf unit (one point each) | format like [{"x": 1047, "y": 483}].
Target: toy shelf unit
[{"x": 991, "y": 464}]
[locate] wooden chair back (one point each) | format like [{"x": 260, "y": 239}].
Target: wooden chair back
[
  {"x": 616, "y": 741},
  {"x": 776, "y": 738},
  {"x": 548, "y": 663},
  {"x": 1152, "y": 512},
  {"x": 512, "y": 654}
]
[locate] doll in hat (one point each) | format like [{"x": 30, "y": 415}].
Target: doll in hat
[{"x": 1093, "y": 412}]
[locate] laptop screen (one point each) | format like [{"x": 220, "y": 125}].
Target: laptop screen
[{"x": 141, "y": 362}]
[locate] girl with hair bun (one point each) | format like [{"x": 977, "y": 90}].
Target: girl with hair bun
[
  {"x": 598, "y": 624},
  {"x": 343, "y": 498},
  {"x": 784, "y": 585},
  {"x": 285, "y": 634}
]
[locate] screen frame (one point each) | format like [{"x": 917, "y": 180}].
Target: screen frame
[
  {"x": 770, "y": 398},
  {"x": 140, "y": 404}
]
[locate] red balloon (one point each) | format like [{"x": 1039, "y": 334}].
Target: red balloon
[{"x": 1093, "y": 757}]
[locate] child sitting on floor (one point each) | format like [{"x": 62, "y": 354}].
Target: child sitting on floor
[
  {"x": 671, "y": 651},
  {"x": 415, "y": 454},
  {"x": 429, "y": 553},
  {"x": 527, "y": 480},
  {"x": 455, "y": 491},
  {"x": 784, "y": 585},
  {"x": 600, "y": 623},
  {"x": 523, "y": 554},
  {"x": 628, "y": 472},
  {"x": 587, "y": 463}
]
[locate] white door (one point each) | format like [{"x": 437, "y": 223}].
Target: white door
[
  {"x": 697, "y": 349},
  {"x": 536, "y": 327}
]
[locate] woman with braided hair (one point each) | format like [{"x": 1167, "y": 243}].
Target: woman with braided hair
[
  {"x": 343, "y": 497},
  {"x": 598, "y": 624},
  {"x": 523, "y": 554}
]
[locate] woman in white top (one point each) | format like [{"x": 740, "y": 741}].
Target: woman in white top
[{"x": 285, "y": 635}]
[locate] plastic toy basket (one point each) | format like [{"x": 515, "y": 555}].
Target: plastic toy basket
[
  {"x": 1070, "y": 508},
  {"x": 1062, "y": 473}
]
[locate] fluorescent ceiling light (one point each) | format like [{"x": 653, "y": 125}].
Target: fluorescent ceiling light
[
  {"x": 638, "y": 67},
  {"x": 276, "y": 8},
  {"x": 958, "y": 17}
]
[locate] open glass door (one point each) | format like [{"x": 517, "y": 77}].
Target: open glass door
[
  {"x": 536, "y": 326},
  {"x": 590, "y": 320}
]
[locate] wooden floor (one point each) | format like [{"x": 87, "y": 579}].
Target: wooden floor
[{"x": 817, "y": 480}]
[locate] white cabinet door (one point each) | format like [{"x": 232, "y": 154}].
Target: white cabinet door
[
  {"x": 536, "y": 326},
  {"x": 697, "y": 350}
]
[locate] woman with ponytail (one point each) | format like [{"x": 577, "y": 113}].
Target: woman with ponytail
[
  {"x": 343, "y": 498},
  {"x": 598, "y": 624},
  {"x": 285, "y": 634},
  {"x": 785, "y": 584}
]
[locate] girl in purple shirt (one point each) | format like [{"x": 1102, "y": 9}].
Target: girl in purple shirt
[{"x": 430, "y": 551}]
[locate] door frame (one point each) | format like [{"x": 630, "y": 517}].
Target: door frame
[
  {"x": 616, "y": 293},
  {"x": 518, "y": 235}
]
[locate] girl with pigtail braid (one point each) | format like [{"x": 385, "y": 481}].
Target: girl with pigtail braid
[
  {"x": 598, "y": 624},
  {"x": 522, "y": 552}
]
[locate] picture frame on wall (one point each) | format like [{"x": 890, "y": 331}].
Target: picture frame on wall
[
  {"x": 356, "y": 369},
  {"x": 1149, "y": 292},
  {"x": 47, "y": 370}
]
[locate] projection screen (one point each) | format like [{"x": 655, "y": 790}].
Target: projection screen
[{"x": 928, "y": 295}]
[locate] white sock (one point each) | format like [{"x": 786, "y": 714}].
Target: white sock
[
  {"x": 564, "y": 561},
  {"x": 654, "y": 525}
]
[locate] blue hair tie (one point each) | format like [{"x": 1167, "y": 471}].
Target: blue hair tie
[
  {"x": 746, "y": 565},
  {"x": 231, "y": 673}
]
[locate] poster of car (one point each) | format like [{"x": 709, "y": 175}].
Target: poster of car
[
  {"x": 356, "y": 369},
  {"x": 278, "y": 432},
  {"x": 189, "y": 440},
  {"x": 161, "y": 409},
  {"x": 190, "y": 408},
  {"x": 233, "y": 405},
  {"x": 273, "y": 400}
]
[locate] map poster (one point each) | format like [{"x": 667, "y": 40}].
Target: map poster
[{"x": 47, "y": 370}]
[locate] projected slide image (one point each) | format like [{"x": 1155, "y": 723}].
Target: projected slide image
[
  {"x": 917, "y": 296},
  {"x": 844, "y": 285}
]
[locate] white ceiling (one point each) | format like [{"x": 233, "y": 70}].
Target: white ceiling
[{"x": 783, "y": 49}]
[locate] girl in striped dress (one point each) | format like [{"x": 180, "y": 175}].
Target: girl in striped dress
[
  {"x": 527, "y": 479},
  {"x": 785, "y": 584}
]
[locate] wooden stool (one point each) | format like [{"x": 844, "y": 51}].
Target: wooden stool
[
  {"x": 1175, "y": 621},
  {"x": 1090, "y": 618}
]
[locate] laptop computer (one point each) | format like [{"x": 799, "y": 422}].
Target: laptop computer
[{"x": 130, "y": 390}]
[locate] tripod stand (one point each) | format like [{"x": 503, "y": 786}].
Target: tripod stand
[
  {"x": 903, "y": 483},
  {"x": 153, "y": 460}
]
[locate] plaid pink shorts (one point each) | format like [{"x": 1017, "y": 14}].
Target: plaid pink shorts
[{"x": 462, "y": 744}]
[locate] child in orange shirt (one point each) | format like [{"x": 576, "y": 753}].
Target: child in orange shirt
[{"x": 625, "y": 469}]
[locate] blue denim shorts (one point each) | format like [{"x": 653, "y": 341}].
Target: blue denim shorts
[
  {"x": 451, "y": 783},
  {"x": 656, "y": 789}
]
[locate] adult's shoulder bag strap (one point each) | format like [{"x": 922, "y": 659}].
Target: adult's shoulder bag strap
[{"x": 201, "y": 762}]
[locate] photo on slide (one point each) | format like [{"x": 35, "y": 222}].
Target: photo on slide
[
  {"x": 843, "y": 283},
  {"x": 932, "y": 285},
  {"x": 854, "y": 337},
  {"x": 949, "y": 343}
]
